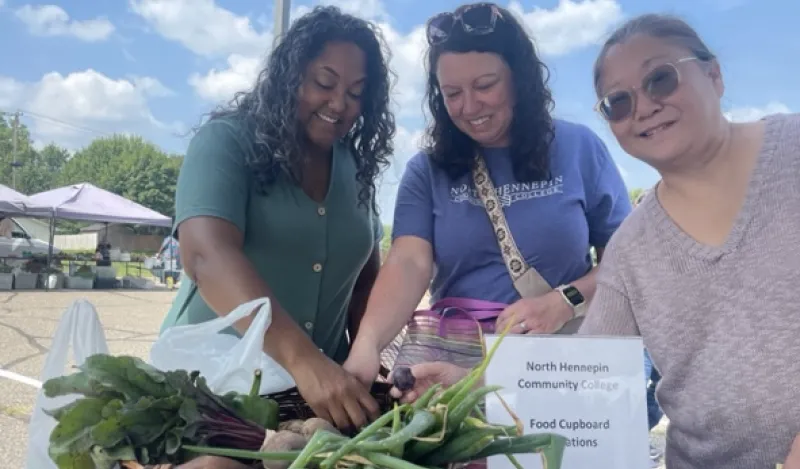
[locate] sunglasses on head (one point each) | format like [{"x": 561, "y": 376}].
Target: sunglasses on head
[
  {"x": 657, "y": 85},
  {"x": 478, "y": 19}
]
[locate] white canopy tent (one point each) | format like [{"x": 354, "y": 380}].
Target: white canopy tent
[
  {"x": 16, "y": 203},
  {"x": 85, "y": 202}
]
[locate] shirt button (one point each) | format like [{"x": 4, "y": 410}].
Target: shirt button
[
  {"x": 317, "y": 267},
  {"x": 309, "y": 325},
  {"x": 321, "y": 211}
]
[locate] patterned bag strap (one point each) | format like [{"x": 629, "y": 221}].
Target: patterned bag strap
[{"x": 516, "y": 264}]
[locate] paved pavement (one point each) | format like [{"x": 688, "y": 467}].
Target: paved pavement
[
  {"x": 28, "y": 321},
  {"x": 657, "y": 439}
]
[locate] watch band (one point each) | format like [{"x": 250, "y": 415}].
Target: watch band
[{"x": 574, "y": 298}]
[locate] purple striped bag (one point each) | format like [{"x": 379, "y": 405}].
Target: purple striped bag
[{"x": 450, "y": 331}]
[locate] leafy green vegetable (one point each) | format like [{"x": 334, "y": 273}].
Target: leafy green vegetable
[
  {"x": 132, "y": 411},
  {"x": 435, "y": 432},
  {"x": 253, "y": 407}
]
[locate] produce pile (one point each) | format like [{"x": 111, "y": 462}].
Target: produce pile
[{"x": 132, "y": 412}]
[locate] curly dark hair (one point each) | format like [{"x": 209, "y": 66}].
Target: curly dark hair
[
  {"x": 270, "y": 108},
  {"x": 532, "y": 130}
]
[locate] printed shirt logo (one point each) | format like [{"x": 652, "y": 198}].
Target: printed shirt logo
[{"x": 511, "y": 193}]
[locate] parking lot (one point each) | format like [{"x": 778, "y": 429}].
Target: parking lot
[{"x": 28, "y": 320}]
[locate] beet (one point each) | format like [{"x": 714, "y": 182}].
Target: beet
[{"x": 403, "y": 379}]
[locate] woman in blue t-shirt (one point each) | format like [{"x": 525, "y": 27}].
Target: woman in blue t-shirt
[{"x": 555, "y": 181}]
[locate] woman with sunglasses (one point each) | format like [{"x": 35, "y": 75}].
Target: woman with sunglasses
[
  {"x": 706, "y": 269},
  {"x": 555, "y": 184}
]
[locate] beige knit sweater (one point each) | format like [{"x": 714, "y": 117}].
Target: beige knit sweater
[{"x": 722, "y": 324}]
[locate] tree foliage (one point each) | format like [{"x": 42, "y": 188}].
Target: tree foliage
[
  {"x": 126, "y": 165},
  {"x": 635, "y": 193}
]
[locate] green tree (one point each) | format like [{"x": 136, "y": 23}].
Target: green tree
[
  {"x": 386, "y": 241},
  {"x": 634, "y": 194},
  {"x": 129, "y": 166},
  {"x": 126, "y": 165},
  {"x": 35, "y": 170},
  {"x": 41, "y": 169}
]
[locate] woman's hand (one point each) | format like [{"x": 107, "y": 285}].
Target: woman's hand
[
  {"x": 333, "y": 393},
  {"x": 793, "y": 459},
  {"x": 428, "y": 374},
  {"x": 212, "y": 462},
  {"x": 544, "y": 314},
  {"x": 364, "y": 362}
]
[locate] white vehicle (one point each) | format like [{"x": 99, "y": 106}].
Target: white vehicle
[{"x": 20, "y": 242}]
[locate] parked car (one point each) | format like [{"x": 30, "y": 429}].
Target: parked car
[{"x": 21, "y": 243}]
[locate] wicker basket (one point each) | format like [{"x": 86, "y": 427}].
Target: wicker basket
[
  {"x": 292, "y": 405},
  {"x": 390, "y": 353}
]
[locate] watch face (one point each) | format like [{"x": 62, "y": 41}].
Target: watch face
[{"x": 573, "y": 295}]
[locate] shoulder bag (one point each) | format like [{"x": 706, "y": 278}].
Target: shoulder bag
[{"x": 452, "y": 329}]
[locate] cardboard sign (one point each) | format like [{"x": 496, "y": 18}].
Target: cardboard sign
[{"x": 591, "y": 390}]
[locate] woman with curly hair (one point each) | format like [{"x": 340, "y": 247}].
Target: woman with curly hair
[
  {"x": 276, "y": 198},
  {"x": 548, "y": 184}
]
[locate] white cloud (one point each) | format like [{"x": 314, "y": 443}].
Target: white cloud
[
  {"x": 408, "y": 57},
  {"x": 571, "y": 25},
  {"x": 52, "y": 20},
  {"x": 151, "y": 87},
  {"x": 221, "y": 85},
  {"x": 80, "y": 106},
  {"x": 746, "y": 114},
  {"x": 406, "y": 144},
  {"x": 203, "y": 27},
  {"x": 209, "y": 30}
]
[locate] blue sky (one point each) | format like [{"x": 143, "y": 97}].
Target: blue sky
[{"x": 80, "y": 69}]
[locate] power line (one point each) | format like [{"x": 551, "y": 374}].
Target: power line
[
  {"x": 54, "y": 120},
  {"x": 63, "y": 123}
]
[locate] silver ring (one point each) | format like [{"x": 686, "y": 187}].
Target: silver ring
[{"x": 523, "y": 327}]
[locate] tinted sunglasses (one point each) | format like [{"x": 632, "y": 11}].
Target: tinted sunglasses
[
  {"x": 659, "y": 84},
  {"x": 478, "y": 19}
]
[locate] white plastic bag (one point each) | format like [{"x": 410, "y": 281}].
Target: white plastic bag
[
  {"x": 226, "y": 361},
  {"x": 79, "y": 330}
]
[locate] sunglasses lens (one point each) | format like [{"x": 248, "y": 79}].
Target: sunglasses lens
[
  {"x": 661, "y": 82},
  {"x": 439, "y": 28},
  {"x": 617, "y": 106},
  {"x": 478, "y": 18}
]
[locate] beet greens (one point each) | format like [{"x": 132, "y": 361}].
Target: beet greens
[{"x": 133, "y": 411}]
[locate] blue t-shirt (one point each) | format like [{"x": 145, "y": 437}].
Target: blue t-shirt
[{"x": 553, "y": 222}]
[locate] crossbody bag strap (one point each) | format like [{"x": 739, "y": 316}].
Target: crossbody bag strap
[{"x": 516, "y": 264}]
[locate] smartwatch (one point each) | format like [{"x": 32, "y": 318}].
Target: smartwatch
[{"x": 574, "y": 298}]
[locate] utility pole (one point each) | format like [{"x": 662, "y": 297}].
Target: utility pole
[
  {"x": 281, "y": 13},
  {"x": 14, "y": 139}
]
